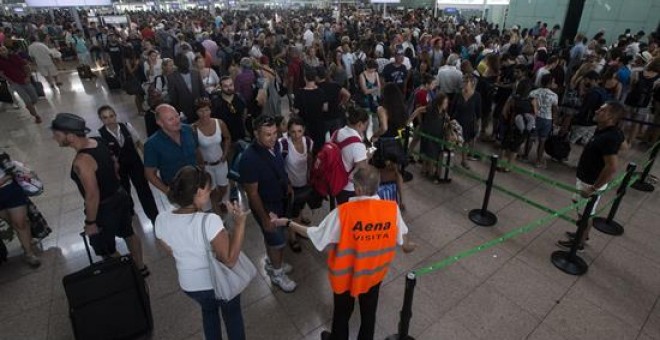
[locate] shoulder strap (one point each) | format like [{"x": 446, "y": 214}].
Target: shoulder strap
[
  {"x": 348, "y": 141},
  {"x": 284, "y": 142},
  {"x": 308, "y": 142}
]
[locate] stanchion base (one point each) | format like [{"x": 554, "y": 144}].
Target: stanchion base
[
  {"x": 643, "y": 186},
  {"x": 444, "y": 181},
  {"x": 396, "y": 337},
  {"x": 406, "y": 176},
  {"x": 482, "y": 218},
  {"x": 576, "y": 266},
  {"x": 611, "y": 228}
]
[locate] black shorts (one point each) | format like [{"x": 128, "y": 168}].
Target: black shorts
[
  {"x": 12, "y": 196},
  {"x": 114, "y": 219}
]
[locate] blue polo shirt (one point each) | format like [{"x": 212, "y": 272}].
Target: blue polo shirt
[
  {"x": 259, "y": 165},
  {"x": 162, "y": 153}
]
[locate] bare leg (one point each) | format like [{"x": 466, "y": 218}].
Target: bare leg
[
  {"x": 135, "y": 247},
  {"x": 540, "y": 150},
  {"x": 275, "y": 256},
  {"x": 17, "y": 217},
  {"x": 33, "y": 112}
]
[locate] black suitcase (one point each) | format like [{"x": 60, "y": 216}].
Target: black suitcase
[
  {"x": 108, "y": 300},
  {"x": 85, "y": 72},
  {"x": 38, "y": 86},
  {"x": 558, "y": 147},
  {"x": 113, "y": 80}
]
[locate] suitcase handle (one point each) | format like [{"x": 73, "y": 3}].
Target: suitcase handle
[{"x": 89, "y": 253}]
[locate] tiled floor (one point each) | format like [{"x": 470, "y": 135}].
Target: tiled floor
[{"x": 509, "y": 291}]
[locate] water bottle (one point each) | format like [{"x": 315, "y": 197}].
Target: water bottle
[{"x": 239, "y": 197}]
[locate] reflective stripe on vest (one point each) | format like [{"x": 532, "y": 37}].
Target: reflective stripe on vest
[{"x": 366, "y": 245}]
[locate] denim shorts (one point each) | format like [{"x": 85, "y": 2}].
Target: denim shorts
[
  {"x": 12, "y": 196},
  {"x": 543, "y": 127}
]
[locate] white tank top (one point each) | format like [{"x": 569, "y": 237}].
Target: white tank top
[
  {"x": 296, "y": 164},
  {"x": 210, "y": 146}
]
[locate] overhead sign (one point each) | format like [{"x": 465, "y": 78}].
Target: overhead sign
[{"x": 67, "y": 3}]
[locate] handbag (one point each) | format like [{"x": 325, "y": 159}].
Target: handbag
[
  {"x": 227, "y": 282},
  {"x": 38, "y": 224},
  {"x": 27, "y": 179}
]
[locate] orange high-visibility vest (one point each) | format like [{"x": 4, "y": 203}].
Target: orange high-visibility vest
[{"x": 366, "y": 247}]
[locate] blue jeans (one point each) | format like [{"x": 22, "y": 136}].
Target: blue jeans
[{"x": 231, "y": 313}]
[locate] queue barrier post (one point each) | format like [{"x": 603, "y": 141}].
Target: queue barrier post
[
  {"x": 483, "y": 217},
  {"x": 406, "y": 175},
  {"x": 609, "y": 225},
  {"x": 641, "y": 184},
  {"x": 406, "y": 311},
  {"x": 568, "y": 261}
]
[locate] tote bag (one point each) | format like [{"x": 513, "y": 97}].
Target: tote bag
[{"x": 228, "y": 282}]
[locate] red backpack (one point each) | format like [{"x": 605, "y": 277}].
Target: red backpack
[{"x": 328, "y": 175}]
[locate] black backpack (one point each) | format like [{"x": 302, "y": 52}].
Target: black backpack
[{"x": 641, "y": 93}]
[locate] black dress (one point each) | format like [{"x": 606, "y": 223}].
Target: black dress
[
  {"x": 466, "y": 113},
  {"x": 432, "y": 124}
]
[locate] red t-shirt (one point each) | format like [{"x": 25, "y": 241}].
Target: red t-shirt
[
  {"x": 14, "y": 68},
  {"x": 148, "y": 34},
  {"x": 421, "y": 98},
  {"x": 295, "y": 72}
]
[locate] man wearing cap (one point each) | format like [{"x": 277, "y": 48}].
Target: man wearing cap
[
  {"x": 396, "y": 72},
  {"x": 168, "y": 150},
  {"x": 108, "y": 208},
  {"x": 16, "y": 72},
  {"x": 584, "y": 125}
]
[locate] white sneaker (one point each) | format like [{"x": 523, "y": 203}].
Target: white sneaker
[
  {"x": 280, "y": 279},
  {"x": 288, "y": 268}
]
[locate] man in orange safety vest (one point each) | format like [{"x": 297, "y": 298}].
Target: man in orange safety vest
[{"x": 363, "y": 234}]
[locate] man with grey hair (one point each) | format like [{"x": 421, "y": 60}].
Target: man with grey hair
[
  {"x": 362, "y": 235},
  {"x": 450, "y": 77}
]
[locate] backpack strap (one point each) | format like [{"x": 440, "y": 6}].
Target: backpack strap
[
  {"x": 346, "y": 142},
  {"x": 284, "y": 142},
  {"x": 308, "y": 143}
]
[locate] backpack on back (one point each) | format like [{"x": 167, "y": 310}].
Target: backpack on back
[
  {"x": 641, "y": 92},
  {"x": 328, "y": 175}
]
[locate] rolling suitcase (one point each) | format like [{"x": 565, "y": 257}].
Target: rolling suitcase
[
  {"x": 85, "y": 72},
  {"x": 108, "y": 300},
  {"x": 38, "y": 85},
  {"x": 112, "y": 79}
]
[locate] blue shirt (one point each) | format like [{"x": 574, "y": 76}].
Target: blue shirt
[
  {"x": 162, "y": 153},
  {"x": 259, "y": 165}
]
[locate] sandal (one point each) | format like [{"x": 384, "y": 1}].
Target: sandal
[
  {"x": 144, "y": 271},
  {"x": 295, "y": 246}
]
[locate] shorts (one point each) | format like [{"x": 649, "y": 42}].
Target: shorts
[
  {"x": 273, "y": 239},
  {"x": 47, "y": 70},
  {"x": 12, "y": 196},
  {"x": 114, "y": 219},
  {"x": 579, "y": 185},
  {"x": 218, "y": 174},
  {"x": 583, "y": 133},
  {"x": 388, "y": 191},
  {"x": 27, "y": 92},
  {"x": 543, "y": 127}
]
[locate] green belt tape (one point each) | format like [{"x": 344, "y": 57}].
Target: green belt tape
[
  {"x": 513, "y": 167},
  {"x": 511, "y": 234},
  {"x": 521, "y": 230},
  {"x": 472, "y": 175}
]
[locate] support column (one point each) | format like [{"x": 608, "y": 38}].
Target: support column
[
  {"x": 571, "y": 21},
  {"x": 76, "y": 17}
]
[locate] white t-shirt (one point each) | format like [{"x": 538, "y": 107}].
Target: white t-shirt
[
  {"x": 546, "y": 99},
  {"x": 329, "y": 230},
  {"x": 308, "y": 36},
  {"x": 351, "y": 154},
  {"x": 183, "y": 234},
  {"x": 40, "y": 53}
]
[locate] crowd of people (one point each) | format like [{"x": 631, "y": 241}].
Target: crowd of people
[{"x": 214, "y": 89}]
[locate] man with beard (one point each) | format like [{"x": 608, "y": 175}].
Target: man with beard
[
  {"x": 396, "y": 72},
  {"x": 108, "y": 206},
  {"x": 231, "y": 109}
]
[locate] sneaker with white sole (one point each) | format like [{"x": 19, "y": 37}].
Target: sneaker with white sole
[
  {"x": 32, "y": 260},
  {"x": 280, "y": 279},
  {"x": 288, "y": 268}
]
